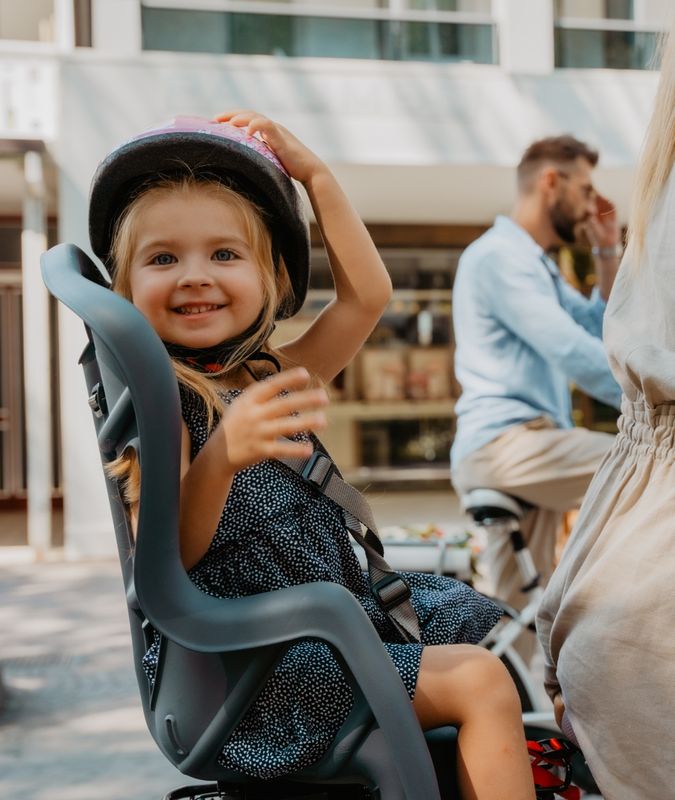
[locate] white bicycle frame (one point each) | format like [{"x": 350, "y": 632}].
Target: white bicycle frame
[{"x": 501, "y": 637}]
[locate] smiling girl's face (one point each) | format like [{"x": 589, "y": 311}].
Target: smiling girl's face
[{"x": 192, "y": 272}]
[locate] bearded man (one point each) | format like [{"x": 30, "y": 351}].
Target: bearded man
[{"x": 523, "y": 334}]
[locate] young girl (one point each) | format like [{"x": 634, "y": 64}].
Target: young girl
[{"x": 202, "y": 230}]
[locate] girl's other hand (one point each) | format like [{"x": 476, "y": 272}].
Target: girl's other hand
[
  {"x": 300, "y": 162},
  {"x": 257, "y": 423}
]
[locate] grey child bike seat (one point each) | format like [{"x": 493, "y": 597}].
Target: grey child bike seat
[{"x": 217, "y": 654}]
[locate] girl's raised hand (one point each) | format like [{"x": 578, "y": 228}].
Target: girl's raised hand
[
  {"x": 300, "y": 162},
  {"x": 257, "y": 420}
]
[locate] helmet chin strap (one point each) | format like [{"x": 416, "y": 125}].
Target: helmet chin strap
[{"x": 214, "y": 358}]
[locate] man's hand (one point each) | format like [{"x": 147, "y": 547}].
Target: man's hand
[
  {"x": 602, "y": 229},
  {"x": 602, "y": 232}
]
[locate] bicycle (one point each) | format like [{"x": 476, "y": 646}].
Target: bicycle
[{"x": 502, "y": 514}]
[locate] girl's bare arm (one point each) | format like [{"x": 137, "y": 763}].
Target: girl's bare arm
[
  {"x": 362, "y": 284},
  {"x": 248, "y": 433}
]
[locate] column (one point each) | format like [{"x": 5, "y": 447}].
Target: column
[
  {"x": 64, "y": 24},
  {"x": 525, "y": 35},
  {"x": 116, "y": 26},
  {"x": 37, "y": 376}
]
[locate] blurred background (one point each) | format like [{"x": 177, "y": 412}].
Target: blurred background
[{"x": 421, "y": 107}]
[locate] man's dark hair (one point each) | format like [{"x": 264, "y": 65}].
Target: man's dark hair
[{"x": 553, "y": 149}]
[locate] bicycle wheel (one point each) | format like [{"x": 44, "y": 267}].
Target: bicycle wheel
[{"x": 524, "y": 692}]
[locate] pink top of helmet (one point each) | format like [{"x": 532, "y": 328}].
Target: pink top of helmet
[{"x": 187, "y": 124}]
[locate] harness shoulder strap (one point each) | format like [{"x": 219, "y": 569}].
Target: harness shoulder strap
[{"x": 388, "y": 587}]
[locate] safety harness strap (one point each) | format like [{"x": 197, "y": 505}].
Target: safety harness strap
[{"x": 388, "y": 587}]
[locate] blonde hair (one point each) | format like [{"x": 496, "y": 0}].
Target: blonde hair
[
  {"x": 276, "y": 290},
  {"x": 658, "y": 150}
]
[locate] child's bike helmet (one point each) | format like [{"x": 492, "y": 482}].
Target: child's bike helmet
[{"x": 218, "y": 149}]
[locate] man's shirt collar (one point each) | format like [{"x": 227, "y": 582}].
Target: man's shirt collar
[{"x": 507, "y": 227}]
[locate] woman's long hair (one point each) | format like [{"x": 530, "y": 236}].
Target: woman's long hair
[
  {"x": 274, "y": 279},
  {"x": 658, "y": 150}
]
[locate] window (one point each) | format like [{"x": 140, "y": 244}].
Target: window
[
  {"x": 29, "y": 20},
  {"x": 471, "y": 6},
  {"x": 305, "y": 36},
  {"x": 607, "y": 33},
  {"x": 82, "y": 9},
  {"x": 595, "y": 9},
  {"x": 184, "y": 31},
  {"x": 604, "y": 49},
  {"x": 426, "y": 30},
  {"x": 437, "y": 41}
]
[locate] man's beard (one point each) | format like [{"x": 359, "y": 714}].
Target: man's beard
[{"x": 564, "y": 224}]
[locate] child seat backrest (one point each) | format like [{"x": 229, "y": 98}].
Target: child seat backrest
[
  {"x": 115, "y": 335},
  {"x": 217, "y": 654}
]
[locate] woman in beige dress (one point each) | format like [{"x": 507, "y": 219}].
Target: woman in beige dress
[{"x": 607, "y": 621}]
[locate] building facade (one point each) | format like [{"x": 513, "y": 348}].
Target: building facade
[{"x": 421, "y": 107}]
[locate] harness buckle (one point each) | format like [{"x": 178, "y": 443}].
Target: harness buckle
[
  {"x": 391, "y": 591},
  {"x": 97, "y": 402},
  {"x": 318, "y": 469}
]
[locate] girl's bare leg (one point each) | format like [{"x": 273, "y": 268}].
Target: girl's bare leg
[{"x": 467, "y": 686}]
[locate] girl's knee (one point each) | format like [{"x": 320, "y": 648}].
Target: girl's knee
[
  {"x": 484, "y": 674},
  {"x": 498, "y": 689},
  {"x": 463, "y": 680}
]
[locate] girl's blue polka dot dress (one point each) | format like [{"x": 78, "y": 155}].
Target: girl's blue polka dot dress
[{"x": 277, "y": 531}]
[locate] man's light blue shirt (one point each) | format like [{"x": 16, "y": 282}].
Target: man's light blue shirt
[{"x": 522, "y": 334}]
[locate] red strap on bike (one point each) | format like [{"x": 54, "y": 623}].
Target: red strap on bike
[{"x": 551, "y": 769}]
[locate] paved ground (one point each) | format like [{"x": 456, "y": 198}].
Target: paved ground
[{"x": 72, "y": 728}]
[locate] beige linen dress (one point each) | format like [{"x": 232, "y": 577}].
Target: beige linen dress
[{"x": 607, "y": 621}]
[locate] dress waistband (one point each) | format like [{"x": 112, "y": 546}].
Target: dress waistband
[{"x": 648, "y": 429}]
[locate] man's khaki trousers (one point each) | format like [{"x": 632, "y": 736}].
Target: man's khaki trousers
[{"x": 548, "y": 467}]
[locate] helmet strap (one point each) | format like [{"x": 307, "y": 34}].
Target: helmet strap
[{"x": 218, "y": 357}]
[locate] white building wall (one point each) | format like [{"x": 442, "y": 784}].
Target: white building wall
[
  {"x": 448, "y": 135},
  {"x": 116, "y": 26},
  {"x": 653, "y": 12},
  {"x": 88, "y": 530},
  {"x": 519, "y": 51}
]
